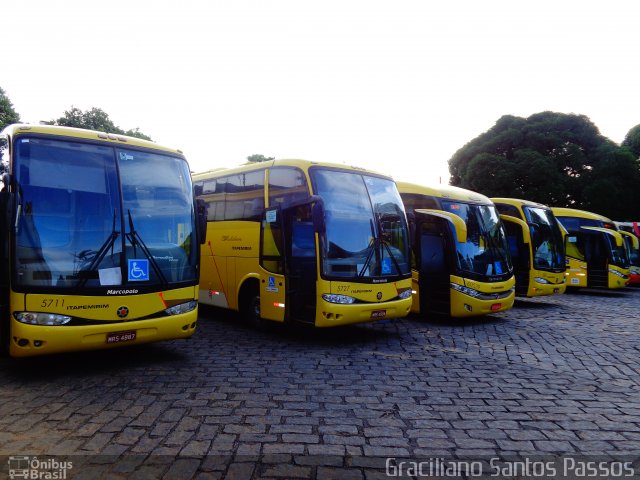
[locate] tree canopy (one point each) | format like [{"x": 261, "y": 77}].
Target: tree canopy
[
  {"x": 255, "y": 158},
  {"x": 95, "y": 119},
  {"x": 632, "y": 140},
  {"x": 552, "y": 158},
  {"x": 7, "y": 113}
]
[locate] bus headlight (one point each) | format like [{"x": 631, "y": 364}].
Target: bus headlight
[
  {"x": 542, "y": 280},
  {"x": 615, "y": 272},
  {"x": 35, "y": 318},
  {"x": 466, "y": 290},
  {"x": 405, "y": 294},
  {"x": 182, "y": 308},
  {"x": 334, "y": 298}
]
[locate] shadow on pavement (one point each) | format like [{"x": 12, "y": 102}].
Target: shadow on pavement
[
  {"x": 300, "y": 333},
  {"x": 537, "y": 304},
  {"x": 81, "y": 364},
  {"x": 601, "y": 292},
  {"x": 446, "y": 321}
]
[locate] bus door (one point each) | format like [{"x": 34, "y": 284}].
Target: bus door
[
  {"x": 432, "y": 246},
  {"x": 596, "y": 255},
  {"x": 5, "y": 206},
  {"x": 519, "y": 240},
  {"x": 272, "y": 259},
  {"x": 301, "y": 263},
  {"x": 604, "y": 247}
]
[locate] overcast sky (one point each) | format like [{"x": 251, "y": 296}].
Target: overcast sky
[{"x": 396, "y": 86}]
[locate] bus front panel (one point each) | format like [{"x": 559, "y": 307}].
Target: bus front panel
[
  {"x": 372, "y": 302},
  {"x": 471, "y": 297},
  {"x": 67, "y": 323}
]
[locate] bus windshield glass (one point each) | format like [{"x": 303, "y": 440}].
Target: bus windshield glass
[
  {"x": 79, "y": 226},
  {"x": 366, "y": 230},
  {"x": 486, "y": 251},
  {"x": 546, "y": 239},
  {"x": 634, "y": 253},
  {"x": 617, "y": 255}
]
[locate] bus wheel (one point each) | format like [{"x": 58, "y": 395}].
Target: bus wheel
[{"x": 251, "y": 308}]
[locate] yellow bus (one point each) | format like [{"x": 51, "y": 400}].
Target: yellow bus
[
  {"x": 631, "y": 235},
  {"x": 300, "y": 241},
  {"x": 99, "y": 243},
  {"x": 596, "y": 253},
  {"x": 536, "y": 243},
  {"x": 461, "y": 265}
]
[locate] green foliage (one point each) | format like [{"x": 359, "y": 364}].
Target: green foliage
[
  {"x": 259, "y": 158},
  {"x": 552, "y": 158},
  {"x": 7, "y": 113},
  {"x": 137, "y": 134},
  {"x": 632, "y": 140},
  {"x": 612, "y": 187},
  {"x": 95, "y": 119}
]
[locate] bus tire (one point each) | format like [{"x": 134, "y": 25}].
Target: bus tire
[{"x": 250, "y": 305}]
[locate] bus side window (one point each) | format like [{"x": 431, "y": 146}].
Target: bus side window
[
  {"x": 244, "y": 196},
  {"x": 287, "y": 185}
]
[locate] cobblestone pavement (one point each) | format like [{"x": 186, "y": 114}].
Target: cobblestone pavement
[{"x": 554, "y": 376}]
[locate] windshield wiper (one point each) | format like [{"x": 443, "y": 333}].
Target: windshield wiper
[
  {"x": 372, "y": 248},
  {"x": 135, "y": 238},
  {"x": 100, "y": 254},
  {"x": 492, "y": 245},
  {"x": 376, "y": 245},
  {"x": 385, "y": 243}
]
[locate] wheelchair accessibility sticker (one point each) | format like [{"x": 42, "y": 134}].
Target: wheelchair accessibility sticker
[
  {"x": 272, "y": 285},
  {"x": 138, "y": 270}
]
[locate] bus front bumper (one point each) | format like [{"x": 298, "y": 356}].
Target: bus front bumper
[
  {"x": 539, "y": 289},
  {"x": 467, "y": 306},
  {"x": 335, "y": 314},
  {"x": 31, "y": 340}
]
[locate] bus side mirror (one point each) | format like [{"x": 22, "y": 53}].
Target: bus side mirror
[
  {"x": 201, "y": 220},
  {"x": 317, "y": 217}
]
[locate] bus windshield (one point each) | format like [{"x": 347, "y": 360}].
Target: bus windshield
[
  {"x": 92, "y": 215},
  {"x": 486, "y": 251},
  {"x": 619, "y": 255},
  {"x": 366, "y": 230},
  {"x": 634, "y": 254},
  {"x": 546, "y": 239}
]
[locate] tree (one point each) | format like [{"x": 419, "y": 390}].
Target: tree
[
  {"x": 7, "y": 113},
  {"x": 138, "y": 134},
  {"x": 95, "y": 119},
  {"x": 632, "y": 140},
  {"x": 612, "y": 188},
  {"x": 552, "y": 158},
  {"x": 259, "y": 158}
]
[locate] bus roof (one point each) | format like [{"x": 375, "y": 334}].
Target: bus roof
[
  {"x": 573, "y": 212},
  {"x": 81, "y": 133},
  {"x": 519, "y": 202},
  {"x": 444, "y": 191},
  {"x": 304, "y": 164}
]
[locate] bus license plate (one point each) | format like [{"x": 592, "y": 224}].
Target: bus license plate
[
  {"x": 378, "y": 314},
  {"x": 118, "y": 337}
]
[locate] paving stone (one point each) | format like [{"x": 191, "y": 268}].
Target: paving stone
[{"x": 553, "y": 376}]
